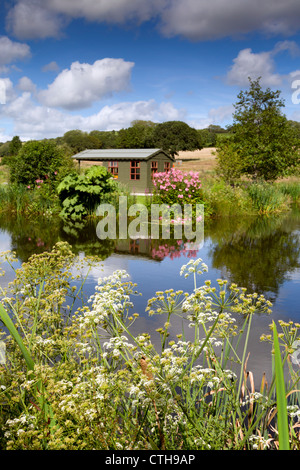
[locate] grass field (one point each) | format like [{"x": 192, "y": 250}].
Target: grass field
[{"x": 203, "y": 161}]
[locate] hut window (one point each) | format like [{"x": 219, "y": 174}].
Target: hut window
[
  {"x": 113, "y": 168},
  {"x": 154, "y": 167},
  {"x": 135, "y": 170},
  {"x": 167, "y": 166}
]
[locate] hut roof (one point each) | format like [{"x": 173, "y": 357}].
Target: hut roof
[{"x": 119, "y": 154}]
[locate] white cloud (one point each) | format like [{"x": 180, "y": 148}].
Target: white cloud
[
  {"x": 31, "y": 19},
  {"x": 117, "y": 11},
  {"x": 253, "y": 65},
  {"x": 192, "y": 19},
  {"x": 83, "y": 84},
  {"x": 199, "y": 20},
  {"x": 122, "y": 114},
  {"x": 34, "y": 121},
  {"x": 26, "y": 84},
  {"x": 12, "y": 51},
  {"x": 259, "y": 64}
]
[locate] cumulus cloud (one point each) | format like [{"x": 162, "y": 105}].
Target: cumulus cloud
[
  {"x": 35, "y": 121},
  {"x": 26, "y": 84},
  {"x": 254, "y": 65},
  {"x": 199, "y": 20},
  {"x": 32, "y": 19},
  {"x": 260, "y": 64},
  {"x": 192, "y": 19},
  {"x": 83, "y": 84},
  {"x": 12, "y": 51}
]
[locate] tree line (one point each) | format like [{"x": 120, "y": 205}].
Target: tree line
[
  {"x": 261, "y": 143},
  {"x": 172, "y": 136}
]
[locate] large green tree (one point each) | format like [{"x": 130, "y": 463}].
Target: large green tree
[
  {"x": 173, "y": 136},
  {"x": 264, "y": 144}
]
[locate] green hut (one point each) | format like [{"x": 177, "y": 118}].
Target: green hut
[{"x": 132, "y": 167}]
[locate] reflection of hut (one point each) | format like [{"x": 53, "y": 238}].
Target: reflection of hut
[
  {"x": 132, "y": 167},
  {"x": 135, "y": 247}
]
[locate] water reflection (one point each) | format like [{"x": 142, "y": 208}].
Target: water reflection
[{"x": 257, "y": 253}]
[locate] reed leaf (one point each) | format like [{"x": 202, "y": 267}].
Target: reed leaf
[
  {"x": 283, "y": 429},
  {"x": 45, "y": 407}
]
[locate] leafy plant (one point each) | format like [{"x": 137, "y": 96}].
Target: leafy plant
[{"x": 81, "y": 193}]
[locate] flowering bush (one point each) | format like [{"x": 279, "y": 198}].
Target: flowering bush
[{"x": 178, "y": 187}]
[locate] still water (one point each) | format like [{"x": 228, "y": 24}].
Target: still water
[{"x": 261, "y": 254}]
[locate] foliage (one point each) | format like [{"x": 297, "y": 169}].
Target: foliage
[
  {"x": 266, "y": 198},
  {"x": 20, "y": 200},
  {"x": 81, "y": 193},
  {"x": 229, "y": 162},
  {"x": 291, "y": 189},
  {"x": 15, "y": 145},
  {"x": 223, "y": 199},
  {"x": 78, "y": 140},
  {"x": 83, "y": 380},
  {"x": 264, "y": 142},
  {"x": 39, "y": 160},
  {"x": 209, "y": 135},
  {"x": 138, "y": 135},
  {"x": 173, "y": 136}
]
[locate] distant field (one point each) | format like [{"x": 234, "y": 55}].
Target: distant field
[{"x": 199, "y": 160}]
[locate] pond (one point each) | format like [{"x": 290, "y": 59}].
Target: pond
[{"x": 261, "y": 254}]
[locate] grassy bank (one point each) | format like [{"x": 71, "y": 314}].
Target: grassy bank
[
  {"x": 219, "y": 198},
  {"x": 79, "y": 378},
  {"x": 19, "y": 200}
]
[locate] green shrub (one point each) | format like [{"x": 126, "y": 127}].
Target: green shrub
[
  {"x": 39, "y": 161},
  {"x": 80, "y": 194}
]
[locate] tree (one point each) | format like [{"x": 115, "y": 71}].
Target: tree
[
  {"x": 39, "y": 160},
  {"x": 263, "y": 141},
  {"x": 173, "y": 136},
  {"x": 138, "y": 135},
  {"x": 78, "y": 140},
  {"x": 15, "y": 145}
]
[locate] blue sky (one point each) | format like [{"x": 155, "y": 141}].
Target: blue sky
[{"x": 100, "y": 64}]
